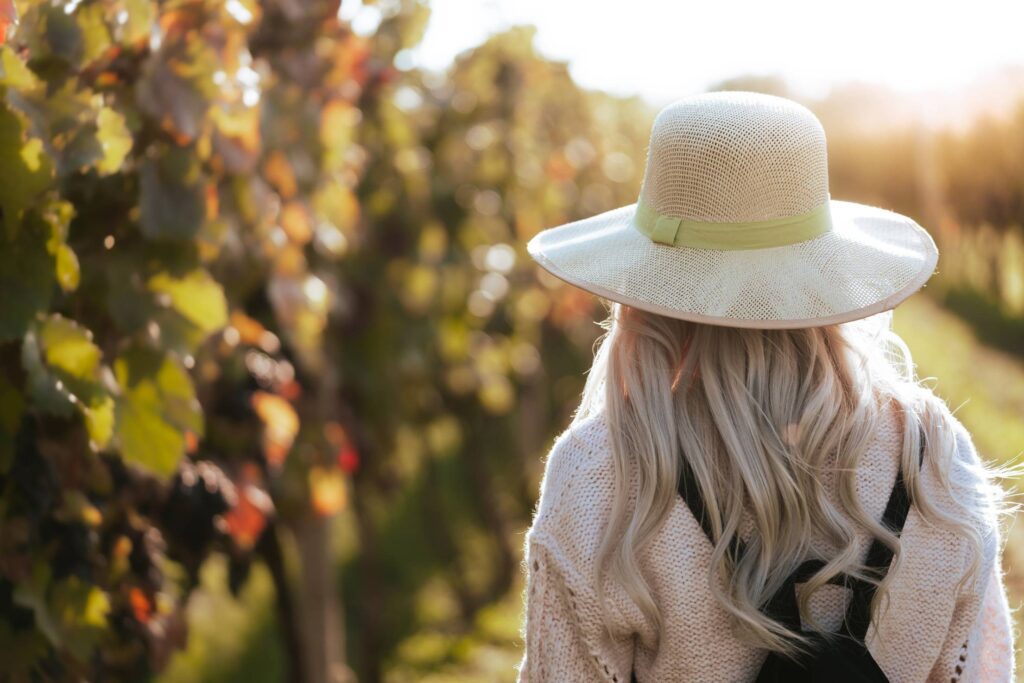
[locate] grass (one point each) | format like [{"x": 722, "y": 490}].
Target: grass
[
  {"x": 230, "y": 640},
  {"x": 489, "y": 652},
  {"x": 986, "y": 388}
]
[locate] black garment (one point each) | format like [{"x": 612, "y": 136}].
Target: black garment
[{"x": 844, "y": 659}]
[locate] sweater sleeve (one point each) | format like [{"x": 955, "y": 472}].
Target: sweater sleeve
[
  {"x": 557, "y": 645},
  {"x": 993, "y": 633},
  {"x": 564, "y": 630},
  {"x": 979, "y": 643}
]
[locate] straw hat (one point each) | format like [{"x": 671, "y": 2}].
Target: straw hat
[{"x": 735, "y": 226}]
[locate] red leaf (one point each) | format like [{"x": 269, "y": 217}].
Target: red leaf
[
  {"x": 142, "y": 608},
  {"x": 281, "y": 424},
  {"x": 348, "y": 459},
  {"x": 248, "y": 518},
  {"x": 8, "y": 16}
]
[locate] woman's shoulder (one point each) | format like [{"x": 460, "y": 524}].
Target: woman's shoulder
[
  {"x": 961, "y": 485},
  {"x": 972, "y": 484},
  {"x": 578, "y": 484}
]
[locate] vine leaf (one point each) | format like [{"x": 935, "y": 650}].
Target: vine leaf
[
  {"x": 196, "y": 296},
  {"x": 173, "y": 195},
  {"x": 65, "y": 371},
  {"x": 157, "y": 407},
  {"x": 247, "y": 519},
  {"x": 25, "y": 167},
  {"x": 68, "y": 271},
  {"x": 13, "y": 72},
  {"x": 71, "y": 613},
  {"x": 114, "y": 138},
  {"x": 176, "y": 96},
  {"x": 8, "y": 16},
  {"x": 327, "y": 490},
  {"x": 280, "y": 425},
  {"x": 26, "y": 278}
]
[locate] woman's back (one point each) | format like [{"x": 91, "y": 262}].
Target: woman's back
[
  {"x": 929, "y": 632},
  {"x": 744, "y": 358}
]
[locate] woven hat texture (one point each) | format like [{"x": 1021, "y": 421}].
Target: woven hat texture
[{"x": 726, "y": 159}]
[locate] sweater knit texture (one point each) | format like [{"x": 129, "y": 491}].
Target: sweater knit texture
[{"x": 930, "y": 632}]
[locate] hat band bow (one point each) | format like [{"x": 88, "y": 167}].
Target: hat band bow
[{"x": 777, "y": 232}]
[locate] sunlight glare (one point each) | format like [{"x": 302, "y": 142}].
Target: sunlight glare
[{"x": 663, "y": 50}]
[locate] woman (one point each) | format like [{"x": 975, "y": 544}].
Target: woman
[{"x": 754, "y": 486}]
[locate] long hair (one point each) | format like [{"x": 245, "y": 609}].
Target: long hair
[{"x": 759, "y": 415}]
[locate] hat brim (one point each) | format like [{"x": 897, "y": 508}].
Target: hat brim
[{"x": 869, "y": 262}]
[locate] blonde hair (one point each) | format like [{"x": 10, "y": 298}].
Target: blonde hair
[{"x": 759, "y": 415}]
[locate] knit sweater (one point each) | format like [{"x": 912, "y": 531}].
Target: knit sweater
[{"x": 931, "y": 631}]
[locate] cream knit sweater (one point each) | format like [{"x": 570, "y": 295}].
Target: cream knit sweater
[{"x": 930, "y": 632}]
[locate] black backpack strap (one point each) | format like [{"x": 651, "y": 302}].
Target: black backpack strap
[
  {"x": 689, "y": 491},
  {"x": 783, "y": 606},
  {"x": 858, "y": 612}
]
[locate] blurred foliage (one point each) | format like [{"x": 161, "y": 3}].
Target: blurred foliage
[
  {"x": 965, "y": 185},
  {"x": 179, "y": 189},
  {"x": 446, "y": 369},
  {"x": 257, "y": 271},
  {"x": 983, "y": 172}
]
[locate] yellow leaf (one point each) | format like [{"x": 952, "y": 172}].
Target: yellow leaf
[
  {"x": 99, "y": 421},
  {"x": 327, "y": 490},
  {"x": 281, "y": 424},
  {"x": 115, "y": 139},
  {"x": 68, "y": 272},
  {"x": 296, "y": 223},
  {"x": 196, "y": 296}
]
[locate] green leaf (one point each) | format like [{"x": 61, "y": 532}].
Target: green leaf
[
  {"x": 115, "y": 140},
  {"x": 94, "y": 31},
  {"x": 71, "y": 613},
  {"x": 68, "y": 270},
  {"x": 82, "y": 609},
  {"x": 196, "y": 296},
  {"x": 31, "y": 594},
  {"x": 13, "y": 72},
  {"x": 27, "y": 271},
  {"x": 173, "y": 199},
  {"x": 140, "y": 17},
  {"x": 164, "y": 308},
  {"x": 47, "y": 392},
  {"x": 63, "y": 35},
  {"x": 146, "y": 438},
  {"x": 99, "y": 419},
  {"x": 127, "y": 299},
  {"x": 65, "y": 370},
  {"x": 80, "y": 151},
  {"x": 179, "y": 99},
  {"x": 23, "y": 165},
  {"x": 68, "y": 347},
  {"x": 55, "y": 218},
  {"x": 156, "y": 409}
]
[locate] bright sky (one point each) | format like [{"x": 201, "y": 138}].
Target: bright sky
[{"x": 663, "y": 49}]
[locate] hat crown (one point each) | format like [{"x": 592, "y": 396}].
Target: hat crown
[{"x": 729, "y": 157}]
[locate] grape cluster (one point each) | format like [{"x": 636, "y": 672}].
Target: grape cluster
[{"x": 192, "y": 520}]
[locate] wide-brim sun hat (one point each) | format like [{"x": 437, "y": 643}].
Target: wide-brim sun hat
[{"x": 735, "y": 226}]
